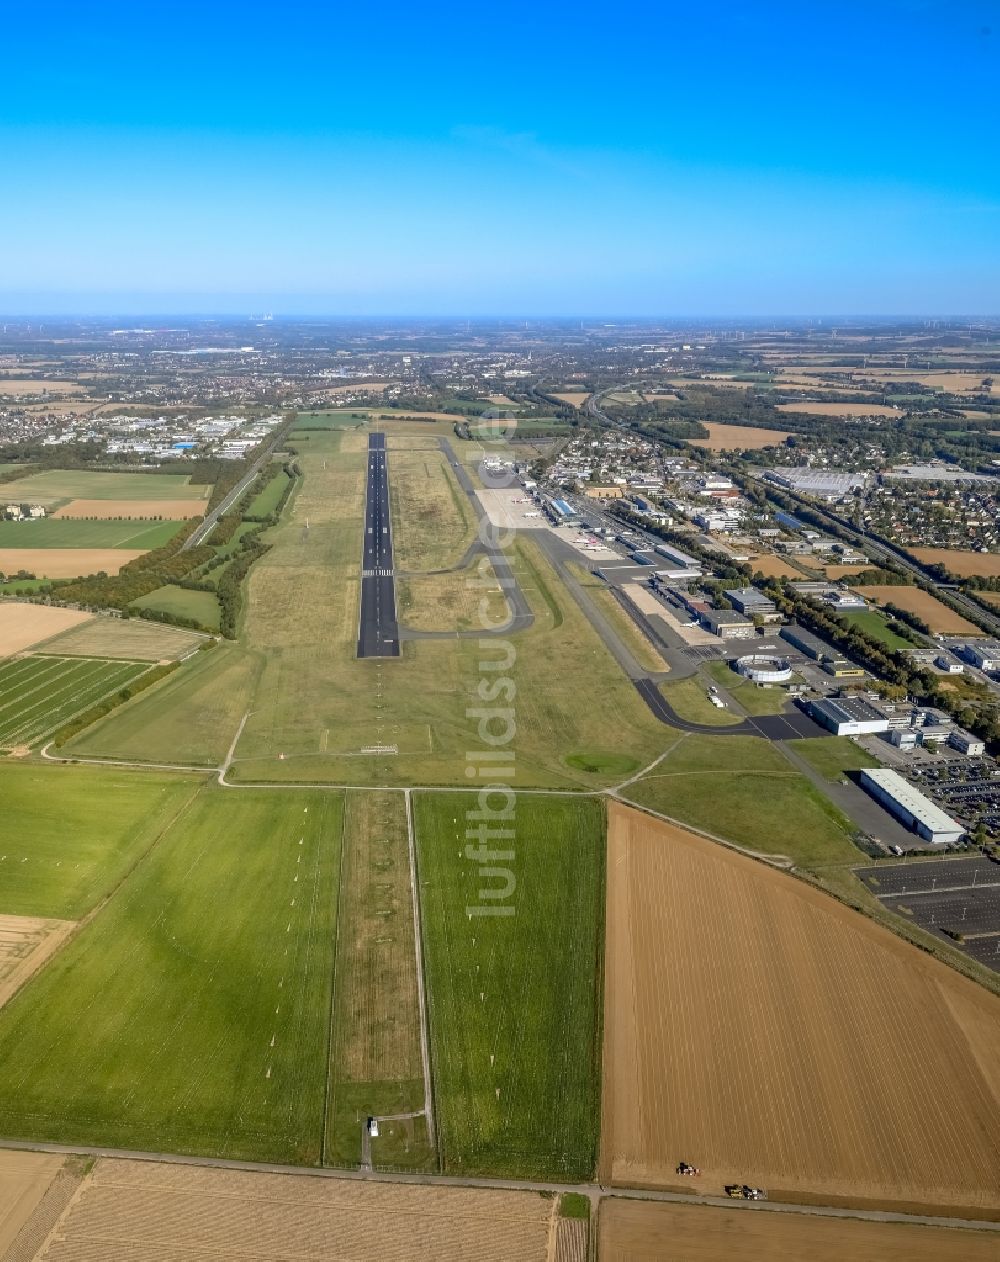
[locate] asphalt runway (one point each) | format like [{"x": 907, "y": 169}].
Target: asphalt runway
[{"x": 378, "y": 630}]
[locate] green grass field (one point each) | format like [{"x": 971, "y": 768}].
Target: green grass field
[
  {"x": 56, "y": 485},
  {"x": 202, "y": 606},
  {"x": 833, "y": 756},
  {"x": 875, "y": 624},
  {"x": 39, "y": 694},
  {"x": 190, "y": 718},
  {"x": 741, "y": 789},
  {"x": 68, "y": 532},
  {"x": 515, "y": 1000},
  {"x": 266, "y": 502},
  {"x": 193, "y": 1013},
  {"x": 71, "y": 833}
]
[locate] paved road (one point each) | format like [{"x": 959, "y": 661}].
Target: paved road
[
  {"x": 206, "y": 526},
  {"x": 378, "y": 630},
  {"x": 594, "y": 1191}
]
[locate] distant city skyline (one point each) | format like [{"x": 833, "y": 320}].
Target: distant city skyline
[{"x": 781, "y": 160}]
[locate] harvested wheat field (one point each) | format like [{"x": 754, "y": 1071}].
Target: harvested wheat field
[
  {"x": 772, "y": 566},
  {"x": 129, "y": 639},
  {"x": 148, "y": 1212},
  {"x": 30, "y": 385},
  {"x": 23, "y": 625},
  {"x": 964, "y": 564},
  {"x": 26, "y": 942},
  {"x": 845, "y": 571},
  {"x": 991, "y": 598},
  {"x": 738, "y": 437},
  {"x": 66, "y": 562},
  {"x": 647, "y": 1231},
  {"x": 575, "y": 398},
  {"x": 839, "y": 409},
  {"x": 141, "y": 510},
  {"x": 25, "y": 1177},
  {"x": 763, "y": 1031},
  {"x": 940, "y": 619}
]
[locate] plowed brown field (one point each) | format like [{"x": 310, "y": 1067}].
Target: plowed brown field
[
  {"x": 965, "y": 564},
  {"x": 775, "y": 567},
  {"x": 940, "y": 619},
  {"x": 105, "y": 510},
  {"x": 65, "y": 562},
  {"x": 22, "y": 625},
  {"x": 161, "y": 1213},
  {"x": 767, "y": 1033},
  {"x": 24, "y": 1179},
  {"x": 739, "y": 437},
  {"x": 644, "y": 1231}
]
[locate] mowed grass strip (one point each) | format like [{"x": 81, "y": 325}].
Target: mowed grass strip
[
  {"x": 192, "y": 1013},
  {"x": 71, "y": 833},
  {"x": 376, "y": 1066},
  {"x": 68, "y": 532},
  {"x": 514, "y": 999},
  {"x": 37, "y": 694}
]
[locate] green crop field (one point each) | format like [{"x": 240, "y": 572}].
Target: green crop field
[
  {"x": 70, "y": 532},
  {"x": 192, "y": 1014},
  {"x": 203, "y": 607},
  {"x": 38, "y": 694},
  {"x": 741, "y": 789},
  {"x": 515, "y": 1000},
  {"x": 71, "y": 833},
  {"x": 56, "y": 485}
]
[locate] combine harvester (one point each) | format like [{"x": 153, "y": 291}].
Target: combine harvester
[{"x": 744, "y": 1192}]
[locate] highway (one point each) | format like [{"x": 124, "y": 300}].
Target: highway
[{"x": 378, "y": 630}]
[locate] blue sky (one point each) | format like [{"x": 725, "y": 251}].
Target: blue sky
[{"x": 653, "y": 159}]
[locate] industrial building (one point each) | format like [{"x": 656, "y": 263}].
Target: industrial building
[
  {"x": 912, "y": 807},
  {"x": 984, "y": 655},
  {"x": 822, "y": 482},
  {"x": 849, "y": 716},
  {"x": 808, "y": 643},
  {"x": 749, "y": 601},
  {"x": 843, "y": 668},
  {"x": 728, "y": 624}
]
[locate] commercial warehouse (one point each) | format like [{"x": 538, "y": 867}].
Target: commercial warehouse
[
  {"x": 849, "y": 716},
  {"x": 912, "y": 807}
]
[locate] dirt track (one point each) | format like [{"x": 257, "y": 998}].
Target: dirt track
[{"x": 766, "y": 1033}]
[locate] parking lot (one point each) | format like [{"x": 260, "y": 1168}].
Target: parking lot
[
  {"x": 967, "y": 788},
  {"x": 957, "y": 900}
]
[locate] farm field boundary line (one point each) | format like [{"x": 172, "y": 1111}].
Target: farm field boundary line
[{"x": 593, "y": 1191}]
